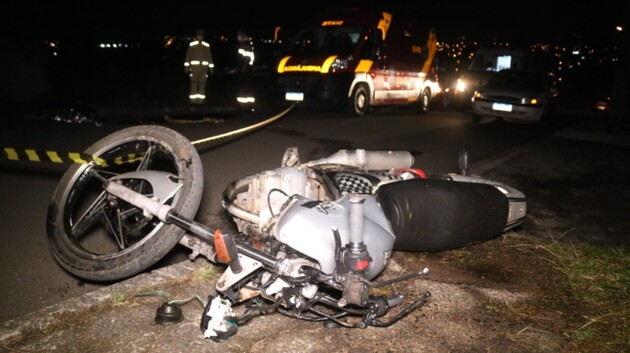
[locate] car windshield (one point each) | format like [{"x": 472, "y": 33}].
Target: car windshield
[
  {"x": 523, "y": 79},
  {"x": 325, "y": 40}
]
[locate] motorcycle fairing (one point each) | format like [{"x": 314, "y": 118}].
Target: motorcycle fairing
[{"x": 307, "y": 226}]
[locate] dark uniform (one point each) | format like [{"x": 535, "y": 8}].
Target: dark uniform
[
  {"x": 198, "y": 63},
  {"x": 245, "y": 52},
  {"x": 244, "y": 63}
]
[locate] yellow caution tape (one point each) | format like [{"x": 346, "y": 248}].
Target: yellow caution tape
[
  {"x": 34, "y": 155},
  {"x": 245, "y": 129}
]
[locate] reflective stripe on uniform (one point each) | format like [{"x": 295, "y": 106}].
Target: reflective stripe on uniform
[
  {"x": 195, "y": 62},
  {"x": 248, "y": 54}
]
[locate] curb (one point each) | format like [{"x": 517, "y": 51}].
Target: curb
[{"x": 39, "y": 321}]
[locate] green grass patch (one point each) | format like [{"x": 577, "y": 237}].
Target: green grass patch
[
  {"x": 598, "y": 279},
  {"x": 206, "y": 272},
  {"x": 118, "y": 298}
]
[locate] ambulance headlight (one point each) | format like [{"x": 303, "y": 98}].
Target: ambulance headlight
[{"x": 340, "y": 64}]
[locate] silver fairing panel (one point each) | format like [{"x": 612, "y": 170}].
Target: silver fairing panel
[{"x": 307, "y": 226}]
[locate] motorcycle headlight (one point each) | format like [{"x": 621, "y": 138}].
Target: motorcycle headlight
[{"x": 461, "y": 85}]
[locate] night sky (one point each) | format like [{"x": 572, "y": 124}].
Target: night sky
[{"x": 504, "y": 20}]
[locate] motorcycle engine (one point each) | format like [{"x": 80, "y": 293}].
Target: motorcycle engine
[{"x": 267, "y": 192}]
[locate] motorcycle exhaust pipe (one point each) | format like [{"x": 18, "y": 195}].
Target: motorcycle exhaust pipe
[{"x": 368, "y": 160}]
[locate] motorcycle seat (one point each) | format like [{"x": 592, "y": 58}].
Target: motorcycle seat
[{"x": 440, "y": 214}]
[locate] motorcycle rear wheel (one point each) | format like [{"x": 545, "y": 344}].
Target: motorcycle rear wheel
[{"x": 97, "y": 237}]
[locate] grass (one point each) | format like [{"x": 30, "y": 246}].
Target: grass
[
  {"x": 580, "y": 292},
  {"x": 598, "y": 280},
  {"x": 206, "y": 272},
  {"x": 118, "y": 298}
]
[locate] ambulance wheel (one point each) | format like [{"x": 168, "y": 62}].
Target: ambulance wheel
[
  {"x": 424, "y": 101},
  {"x": 359, "y": 103}
]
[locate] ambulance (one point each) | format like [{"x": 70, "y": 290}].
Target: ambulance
[{"x": 359, "y": 58}]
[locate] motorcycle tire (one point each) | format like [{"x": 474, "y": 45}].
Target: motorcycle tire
[{"x": 96, "y": 237}]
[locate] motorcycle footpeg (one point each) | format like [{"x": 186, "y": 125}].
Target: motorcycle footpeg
[
  {"x": 395, "y": 300},
  {"x": 416, "y": 303},
  {"x": 383, "y": 304}
]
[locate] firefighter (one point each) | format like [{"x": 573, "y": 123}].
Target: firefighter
[
  {"x": 197, "y": 65},
  {"x": 244, "y": 63},
  {"x": 245, "y": 52}
]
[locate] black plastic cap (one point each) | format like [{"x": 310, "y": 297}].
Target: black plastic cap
[{"x": 169, "y": 314}]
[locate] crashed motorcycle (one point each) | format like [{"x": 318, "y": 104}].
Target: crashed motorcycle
[{"x": 310, "y": 239}]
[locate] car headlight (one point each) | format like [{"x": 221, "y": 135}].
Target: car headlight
[
  {"x": 530, "y": 101},
  {"x": 460, "y": 86},
  {"x": 479, "y": 95}
]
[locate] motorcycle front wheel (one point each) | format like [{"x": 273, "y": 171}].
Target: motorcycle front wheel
[{"x": 97, "y": 237}]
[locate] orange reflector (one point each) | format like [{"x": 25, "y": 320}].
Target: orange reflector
[{"x": 223, "y": 255}]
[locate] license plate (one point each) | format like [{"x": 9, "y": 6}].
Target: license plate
[
  {"x": 294, "y": 96},
  {"x": 502, "y": 107}
]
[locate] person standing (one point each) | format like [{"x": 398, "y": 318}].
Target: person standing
[
  {"x": 244, "y": 62},
  {"x": 245, "y": 52},
  {"x": 198, "y": 64}
]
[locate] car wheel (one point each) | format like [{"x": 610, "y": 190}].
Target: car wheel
[{"x": 359, "y": 103}]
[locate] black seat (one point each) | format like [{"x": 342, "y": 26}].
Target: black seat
[{"x": 438, "y": 214}]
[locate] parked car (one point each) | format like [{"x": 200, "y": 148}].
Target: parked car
[{"x": 518, "y": 96}]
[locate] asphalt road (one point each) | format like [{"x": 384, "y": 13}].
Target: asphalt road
[{"x": 31, "y": 279}]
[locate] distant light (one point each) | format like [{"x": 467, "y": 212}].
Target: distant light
[
  {"x": 619, "y": 28},
  {"x": 246, "y": 99},
  {"x": 576, "y": 52},
  {"x": 102, "y": 45}
]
